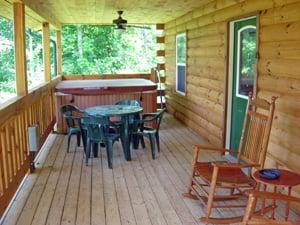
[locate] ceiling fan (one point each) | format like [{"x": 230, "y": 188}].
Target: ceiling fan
[{"x": 121, "y": 23}]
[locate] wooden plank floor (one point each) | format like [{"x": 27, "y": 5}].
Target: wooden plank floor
[{"x": 63, "y": 190}]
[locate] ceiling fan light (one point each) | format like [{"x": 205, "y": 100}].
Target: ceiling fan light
[{"x": 120, "y": 29}]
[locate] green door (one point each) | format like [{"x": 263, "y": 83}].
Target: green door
[{"x": 244, "y": 72}]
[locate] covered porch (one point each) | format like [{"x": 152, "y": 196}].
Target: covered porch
[
  {"x": 144, "y": 191},
  {"x": 197, "y": 90}
]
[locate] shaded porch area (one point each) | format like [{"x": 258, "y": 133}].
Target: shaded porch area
[{"x": 63, "y": 190}]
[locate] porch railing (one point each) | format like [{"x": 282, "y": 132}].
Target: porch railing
[{"x": 36, "y": 108}]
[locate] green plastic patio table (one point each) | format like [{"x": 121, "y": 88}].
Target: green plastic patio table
[{"x": 123, "y": 111}]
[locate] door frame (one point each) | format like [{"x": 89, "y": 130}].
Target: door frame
[{"x": 230, "y": 64}]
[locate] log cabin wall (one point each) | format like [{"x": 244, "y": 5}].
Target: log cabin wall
[{"x": 203, "y": 108}]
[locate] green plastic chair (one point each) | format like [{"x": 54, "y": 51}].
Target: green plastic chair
[
  {"x": 150, "y": 132},
  {"x": 135, "y": 138},
  {"x": 99, "y": 131},
  {"x": 72, "y": 115}
]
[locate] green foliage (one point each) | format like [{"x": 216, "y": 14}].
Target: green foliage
[
  {"x": 34, "y": 57},
  {"x": 91, "y": 49},
  {"x": 181, "y": 48},
  {"x": 53, "y": 62},
  {"x": 87, "y": 49},
  {"x": 248, "y": 45},
  {"x": 7, "y": 67}
]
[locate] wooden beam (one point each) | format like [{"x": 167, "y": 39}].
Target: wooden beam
[
  {"x": 58, "y": 52},
  {"x": 160, "y": 40},
  {"x": 46, "y": 52},
  {"x": 20, "y": 48},
  {"x": 160, "y": 53},
  {"x": 161, "y": 66},
  {"x": 38, "y": 8},
  {"x": 160, "y": 26}
]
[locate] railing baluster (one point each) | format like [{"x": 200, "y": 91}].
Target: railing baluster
[{"x": 34, "y": 108}]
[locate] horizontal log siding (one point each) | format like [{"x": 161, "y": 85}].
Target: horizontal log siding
[
  {"x": 278, "y": 70},
  {"x": 279, "y": 74}
]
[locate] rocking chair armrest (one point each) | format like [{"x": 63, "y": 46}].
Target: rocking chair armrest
[
  {"x": 233, "y": 165},
  {"x": 197, "y": 148}
]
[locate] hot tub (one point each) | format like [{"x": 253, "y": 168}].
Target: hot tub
[{"x": 86, "y": 93}]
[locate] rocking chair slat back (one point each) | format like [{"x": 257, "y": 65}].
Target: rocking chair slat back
[
  {"x": 261, "y": 103},
  {"x": 210, "y": 180},
  {"x": 256, "y": 131}
]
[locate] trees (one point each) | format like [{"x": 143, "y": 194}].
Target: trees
[
  {"x": 34, "y": 58},
  {"x": 91, "y": 49},
  {"x": 87, "y": 49},
  {"x": 7, "y": 66}
]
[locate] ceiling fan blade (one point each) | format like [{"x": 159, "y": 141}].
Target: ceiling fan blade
[
  {"x": 120, "y": 21},
  {"x": 139, "y": 26}
]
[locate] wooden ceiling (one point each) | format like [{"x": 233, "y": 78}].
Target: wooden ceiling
[
  {"x": 104, "y": 11},
  {"x": 135, "y": 11}
]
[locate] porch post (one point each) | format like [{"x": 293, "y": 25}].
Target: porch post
[
  {"x": 20, "y": 48},
  {"x": 46, "y": 52},
  {"x": 58, "y": 52}
]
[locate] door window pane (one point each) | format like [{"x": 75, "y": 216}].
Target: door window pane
[{"x": 247, "y": 60}]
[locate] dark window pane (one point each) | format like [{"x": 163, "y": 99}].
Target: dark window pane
[
  {"x": 247, "y": 61},
  {"x": 181, "y": 78}
]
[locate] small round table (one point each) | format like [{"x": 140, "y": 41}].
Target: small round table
[
  {"x": 287, "y": 179},
  {"x": 123, "y": 111}
]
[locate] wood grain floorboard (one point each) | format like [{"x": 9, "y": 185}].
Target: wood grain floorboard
[{"x": 66, "y": 191}]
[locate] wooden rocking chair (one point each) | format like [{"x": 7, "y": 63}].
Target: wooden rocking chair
[{"x": 209, "y": 178}]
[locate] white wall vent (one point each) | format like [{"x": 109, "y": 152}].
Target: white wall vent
[{"x": 33, "y": 138}]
